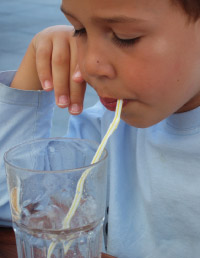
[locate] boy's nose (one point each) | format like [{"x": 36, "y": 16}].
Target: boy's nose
[{"x": 96, "y": 64}]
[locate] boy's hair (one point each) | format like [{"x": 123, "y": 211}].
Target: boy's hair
[{"x": 191, "y": 7}]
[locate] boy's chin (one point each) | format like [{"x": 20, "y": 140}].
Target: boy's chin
[{"x": 138, "y": 123}]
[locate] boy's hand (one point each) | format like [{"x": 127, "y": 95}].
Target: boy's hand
[{"x": 51, "y": 63}]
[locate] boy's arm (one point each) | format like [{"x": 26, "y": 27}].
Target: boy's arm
[
  {"x": 51, "y": 63},
  {"x": 25, "y": 115},
  {"x": 26, "y": 77}
]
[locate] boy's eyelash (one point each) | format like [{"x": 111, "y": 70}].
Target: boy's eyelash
[
  {"x": 125, "y": 42},
  {"x": 79, "y": 32},
  {"x": 120, "y": 42}
]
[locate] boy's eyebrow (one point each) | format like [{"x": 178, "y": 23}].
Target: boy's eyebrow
[{"x": 115, "y": 19}]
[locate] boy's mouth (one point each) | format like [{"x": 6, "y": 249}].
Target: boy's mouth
[{"x": 111, "y": 103}]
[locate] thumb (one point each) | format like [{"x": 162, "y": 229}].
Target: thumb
[{"x": 77, "y": 76}]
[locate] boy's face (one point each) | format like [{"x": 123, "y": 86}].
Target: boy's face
[{"x": 143, "y": 51}]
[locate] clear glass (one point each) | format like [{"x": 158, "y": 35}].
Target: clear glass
[{"x": 42, "y": 176}]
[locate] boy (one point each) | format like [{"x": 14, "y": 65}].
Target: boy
[{"x": 146, "y": 52}]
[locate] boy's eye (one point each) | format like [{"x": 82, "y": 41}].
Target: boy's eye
[
  {"x": 118, "y": 41},
  {"x": 79, "y": 32},
  {"x": 125, "y": 42}
]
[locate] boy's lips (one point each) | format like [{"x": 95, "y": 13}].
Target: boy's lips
[{"x": 111, "y": 103}]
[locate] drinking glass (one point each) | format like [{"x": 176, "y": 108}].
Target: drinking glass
[{"x": 42, "y": 178}]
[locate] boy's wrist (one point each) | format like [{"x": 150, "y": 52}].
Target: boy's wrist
[{"x": 26, "y": 78}]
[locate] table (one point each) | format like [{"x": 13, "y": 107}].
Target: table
[{"x": 8, "y": 244}]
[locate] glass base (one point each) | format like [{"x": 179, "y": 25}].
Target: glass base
[{"x": 85, "y": 243}]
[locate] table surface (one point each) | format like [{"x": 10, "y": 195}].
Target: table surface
[{"x": 8, "y": 244}]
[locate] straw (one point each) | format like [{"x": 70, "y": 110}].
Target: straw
[{"x": 79, "y": 189}]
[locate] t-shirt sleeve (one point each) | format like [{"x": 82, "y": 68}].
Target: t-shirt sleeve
[{"x": 24, "y": 115}]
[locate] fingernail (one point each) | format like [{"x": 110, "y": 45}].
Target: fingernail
[
  {"x": 47, "y": 85},
  {"x": 75, "y": 109},
  {"x": 63, "y": 100}
]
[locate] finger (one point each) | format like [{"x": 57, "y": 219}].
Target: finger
[
  {"x": 61, "y": 72},
  {"x": 43, "y": 64},
  {"x": 77, "y": 92},
  {"x": 77, "y": 84}
]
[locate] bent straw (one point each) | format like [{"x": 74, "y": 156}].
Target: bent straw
[{"x": 79, "y": 189}]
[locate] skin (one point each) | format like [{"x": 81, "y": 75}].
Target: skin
[
  {"x": 158, "y": 74},
  {"x": 51, "y": 63}
]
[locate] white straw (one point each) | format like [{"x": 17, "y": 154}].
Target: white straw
[{"x": 79, "y": 189}]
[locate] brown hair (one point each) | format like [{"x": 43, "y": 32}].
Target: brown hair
[{"x": 191, "y": 7}]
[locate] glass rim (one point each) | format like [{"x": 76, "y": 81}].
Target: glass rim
[{"x": 105, "y": 153}]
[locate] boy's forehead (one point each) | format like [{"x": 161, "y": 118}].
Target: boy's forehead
[{"x": 114, "y": 6}]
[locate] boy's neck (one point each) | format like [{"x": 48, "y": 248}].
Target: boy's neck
[{"x": 191, "y": 104}]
